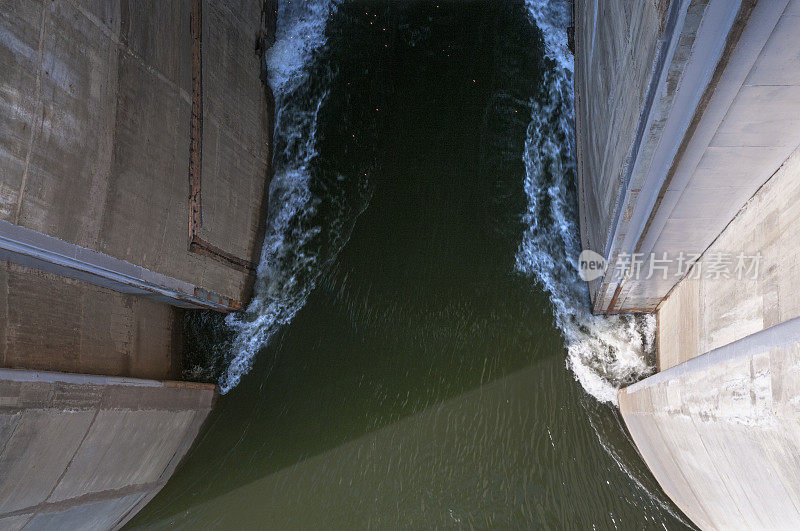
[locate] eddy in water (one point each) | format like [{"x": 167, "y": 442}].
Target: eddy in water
[{"x": 410, "y": 357}]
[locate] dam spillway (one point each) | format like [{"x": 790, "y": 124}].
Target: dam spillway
[{"x": 413, "y": 346}]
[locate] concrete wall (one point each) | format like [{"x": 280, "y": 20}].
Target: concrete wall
[
  {"x": 721, "y": 433},
  {"x": 723, "y": 118},
  {"x": 134, "y": 148},
  {"x": 87, "y": 452},
  {"x": 48, "y": 322},
  {"x": 97, "y": 103},
  {"x": 705, "y": 313},
  {"x": 713, "y": 173},
  {"x": 616, "y": 44}
]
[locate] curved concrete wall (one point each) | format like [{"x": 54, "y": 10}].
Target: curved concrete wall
[
  {"x": 665, "y": 165},
  {"x": 87, "y": 452},
  {"x": 721, "y": 432}
]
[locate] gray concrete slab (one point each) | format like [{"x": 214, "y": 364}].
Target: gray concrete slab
[
  {"x": 123, "y": 448},
  {"x": 96, "y": 141},
  {"x": 82, "y": 452},
  {"x": 52, "y": 437},
  {"x": 706, "y": 313}
]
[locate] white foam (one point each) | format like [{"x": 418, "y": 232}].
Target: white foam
[
  {"x": 289, "y": 266},
  {"x": 300, "y": 32},
  {"x": 604, "y": 353},
  {"x": 553, "y": 18}
]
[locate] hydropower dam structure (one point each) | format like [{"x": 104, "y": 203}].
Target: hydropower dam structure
[
  {"x": 135, "y": 147},
  {"x": 688, "y": 127},
  {"x": 134, "y": 159}
]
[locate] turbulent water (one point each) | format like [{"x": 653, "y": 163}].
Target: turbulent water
[
  {"x": 605, "y": 353},
  {"x": 303, "y": 236},
  {"x": 402, "y": 364}
]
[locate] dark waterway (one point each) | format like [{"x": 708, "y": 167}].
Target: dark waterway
[{"x": 402, "y": 366}]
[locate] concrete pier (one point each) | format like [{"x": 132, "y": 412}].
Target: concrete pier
[
  {"x": 104, "y": 106},
  {"x": 688, "y": 122},
  {"x": 721, "y": 433},
  {"x": 684, "y": 110},
  {"x": 134, "y": 171}
]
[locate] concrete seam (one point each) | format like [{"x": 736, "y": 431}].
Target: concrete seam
[
  {"x": 51, "y": 507},
  {"x": 725, "y": 228},
  {"x": 77, "y": 448},
  {"x": 40, "y": 105}
]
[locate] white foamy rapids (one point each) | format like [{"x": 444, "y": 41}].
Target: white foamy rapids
[
  {"x": 553, "y": 17},
  {"x": 289, "y": 265},
  {"x": 604, "y": 353},
  {"x": 300, "y": 32}
]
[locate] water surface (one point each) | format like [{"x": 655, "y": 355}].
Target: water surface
[{"x": 403, "y": 364}]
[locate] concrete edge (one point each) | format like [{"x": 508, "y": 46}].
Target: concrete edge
[
  {"x": 711, "y": 36},
  {"x": 183, "y": 452},
  {"x": 116, "y": 394},
  {"x": 666, "y": 45},
  {"x": 762, "y": 341},
  {"x": 32, "y": 248},
  {"x": 758, "y": 32},
  {"x": 24, "y": 375}
]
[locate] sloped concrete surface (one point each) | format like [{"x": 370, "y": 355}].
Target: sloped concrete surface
[
  {"x": 722, "y": 119},
  {"x": 706, "y": 313},
  {"x": 86, "y": 452},
  {"x": 52, "y": 323},
  {"x": 721, "y": 432}
]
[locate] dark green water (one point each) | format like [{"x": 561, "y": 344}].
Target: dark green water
[{"x": 423, "y": 382}]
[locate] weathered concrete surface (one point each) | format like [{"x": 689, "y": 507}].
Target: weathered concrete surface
[
  {"x": 724, "y": 118},
  {"x": 721, "y": 432},
  {"x": 616, "y": 46},
  {"x": 96, "y": 101},
  {"x": 705, "y": 313},
  {"x": 31, "y": 248},
  {"x": 86, "y": 452},
  {"x": 750, "y": 125},
  {"x": 48, "y": 322}
]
